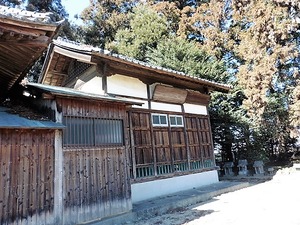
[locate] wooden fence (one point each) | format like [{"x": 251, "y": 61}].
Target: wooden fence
[
  {"x": 27, "y": 176},
  {"x": 95, "y": 184}
]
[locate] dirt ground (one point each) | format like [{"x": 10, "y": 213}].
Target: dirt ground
[{"x": 273, "y": 202}]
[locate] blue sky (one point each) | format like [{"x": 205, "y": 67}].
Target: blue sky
[{"x": 74, "y": 7}]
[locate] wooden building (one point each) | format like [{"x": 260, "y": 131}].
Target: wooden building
[
  {"x": 170, "y": 143},
  {"x": 92, "y": 161},
  {"x": 27, "y": 146},
  {"x": 29, "y": 176},
  {"x": 118, "y": 131}
]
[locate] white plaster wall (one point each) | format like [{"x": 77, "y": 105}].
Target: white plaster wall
[
  {"x": 152, "y": 189},
  {"x": 128, "y": 86},
  {"x": 166, "y": 107},
  {"x": 93, "y": 86},
  {"x": 195, "y": 109}
]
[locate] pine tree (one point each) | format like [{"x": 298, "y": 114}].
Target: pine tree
[
  {"x": 102, "y": 19},
  {"x": 188, "y": 57},
  {"x": 146, "y": 29}
]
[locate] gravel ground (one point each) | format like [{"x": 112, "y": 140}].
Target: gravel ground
[{"x": 272, "y": 202}]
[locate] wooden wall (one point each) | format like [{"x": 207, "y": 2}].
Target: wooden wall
[
  {"x": 27, "y": 176},
  {"x": 96, "y": 179},
  {"x": 157, "y": 151}
]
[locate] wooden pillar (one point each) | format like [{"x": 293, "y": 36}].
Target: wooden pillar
[
  {"x": 102, "y": 70},
  {"x": 132, "y": 145},
  {"x": 151, "y": 132},
  {"x": 186, "y": 139},
  {"x": 211, "y": 140},
  {"x": 171, "y": 146},
  {"x": 200, "y": 139},
  {"x": 104, "y": 78},
  {"x": 58, "y": 178}
]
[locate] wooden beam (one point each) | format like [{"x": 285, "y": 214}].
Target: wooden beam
[
  {"x": 72, "y": 54},
  {"x": 154, "y": 74},
  {"x": 21, "y": 30},
  {"x": 41, "y": 41},
  {"x": 169, "y": 94},
  {"x": 194, "y": 97},
  {"x": 27, "y": 25}
]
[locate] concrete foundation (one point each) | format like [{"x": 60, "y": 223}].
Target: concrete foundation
[{"x": 152, "y": 189}]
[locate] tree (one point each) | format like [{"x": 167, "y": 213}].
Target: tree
[
  {"x": 146, "y": 29},
  {"x": 188, "y": 57},
  {"x": 10, "y": 3},
  {"x": 47, "y": 6},
  {"x": 102, "y": 19}
]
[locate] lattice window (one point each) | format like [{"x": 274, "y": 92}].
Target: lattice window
[
  {"x": 76, "y": 69},
  {"x": 93, "y": 132}
]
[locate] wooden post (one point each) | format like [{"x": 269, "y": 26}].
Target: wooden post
[
  {"x": 171, "y": 146},
  {"x": 151, "y": 132},
  {"x": 211, "y": 139},
  {"x": 104, "y": 78},
  {"x": 132, "y": 145},
  {"x": 186, "y": 140},
  {"x": 58, "y": 178},
  {"x": 200, "y": 139}
]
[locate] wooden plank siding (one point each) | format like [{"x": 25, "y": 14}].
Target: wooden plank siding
[
  {"x": 96, "y": 178},
  {"x": 173, "y": 150},
  {"x": 95, "y": 184},
  {"x": 27, "y": 176}
]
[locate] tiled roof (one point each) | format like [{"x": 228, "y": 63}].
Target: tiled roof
[
  {"x": 23, "y": 38},
  {"x": 90, "y": 49},
  {"x": 27, "y": 16}
]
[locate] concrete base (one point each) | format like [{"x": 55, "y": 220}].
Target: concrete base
[{"x": 152, "y": 189}]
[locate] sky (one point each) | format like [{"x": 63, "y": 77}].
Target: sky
[{"x": 74, "y": 7}]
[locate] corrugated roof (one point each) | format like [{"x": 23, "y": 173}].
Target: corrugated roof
[
  {"x": 86, "y": 49},
  {"x": 14, "y": 121},
  {"x": 70, "y": 92}
]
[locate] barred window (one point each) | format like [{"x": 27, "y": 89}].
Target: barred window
[{"x": 92, "y": 131}]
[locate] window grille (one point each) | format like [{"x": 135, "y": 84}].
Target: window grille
[
  {"x": 76, "y": 69},
  {"x": 82, "y": 131}
]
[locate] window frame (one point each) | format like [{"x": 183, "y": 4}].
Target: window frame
[
  {"x": 159, "y": 116},
  {"x": 90, "y": 124},
  {"x": 176, "y": 117}
]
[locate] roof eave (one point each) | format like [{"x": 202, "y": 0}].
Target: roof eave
[{"x": 177, "y": 75}]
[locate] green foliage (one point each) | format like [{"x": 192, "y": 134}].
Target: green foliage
[
  {"x": 186, "y": 56},
  {"x": 146, "y": 29},
  {"x": 102, "y": 19},
  {"x": 253, "y": 43}
]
